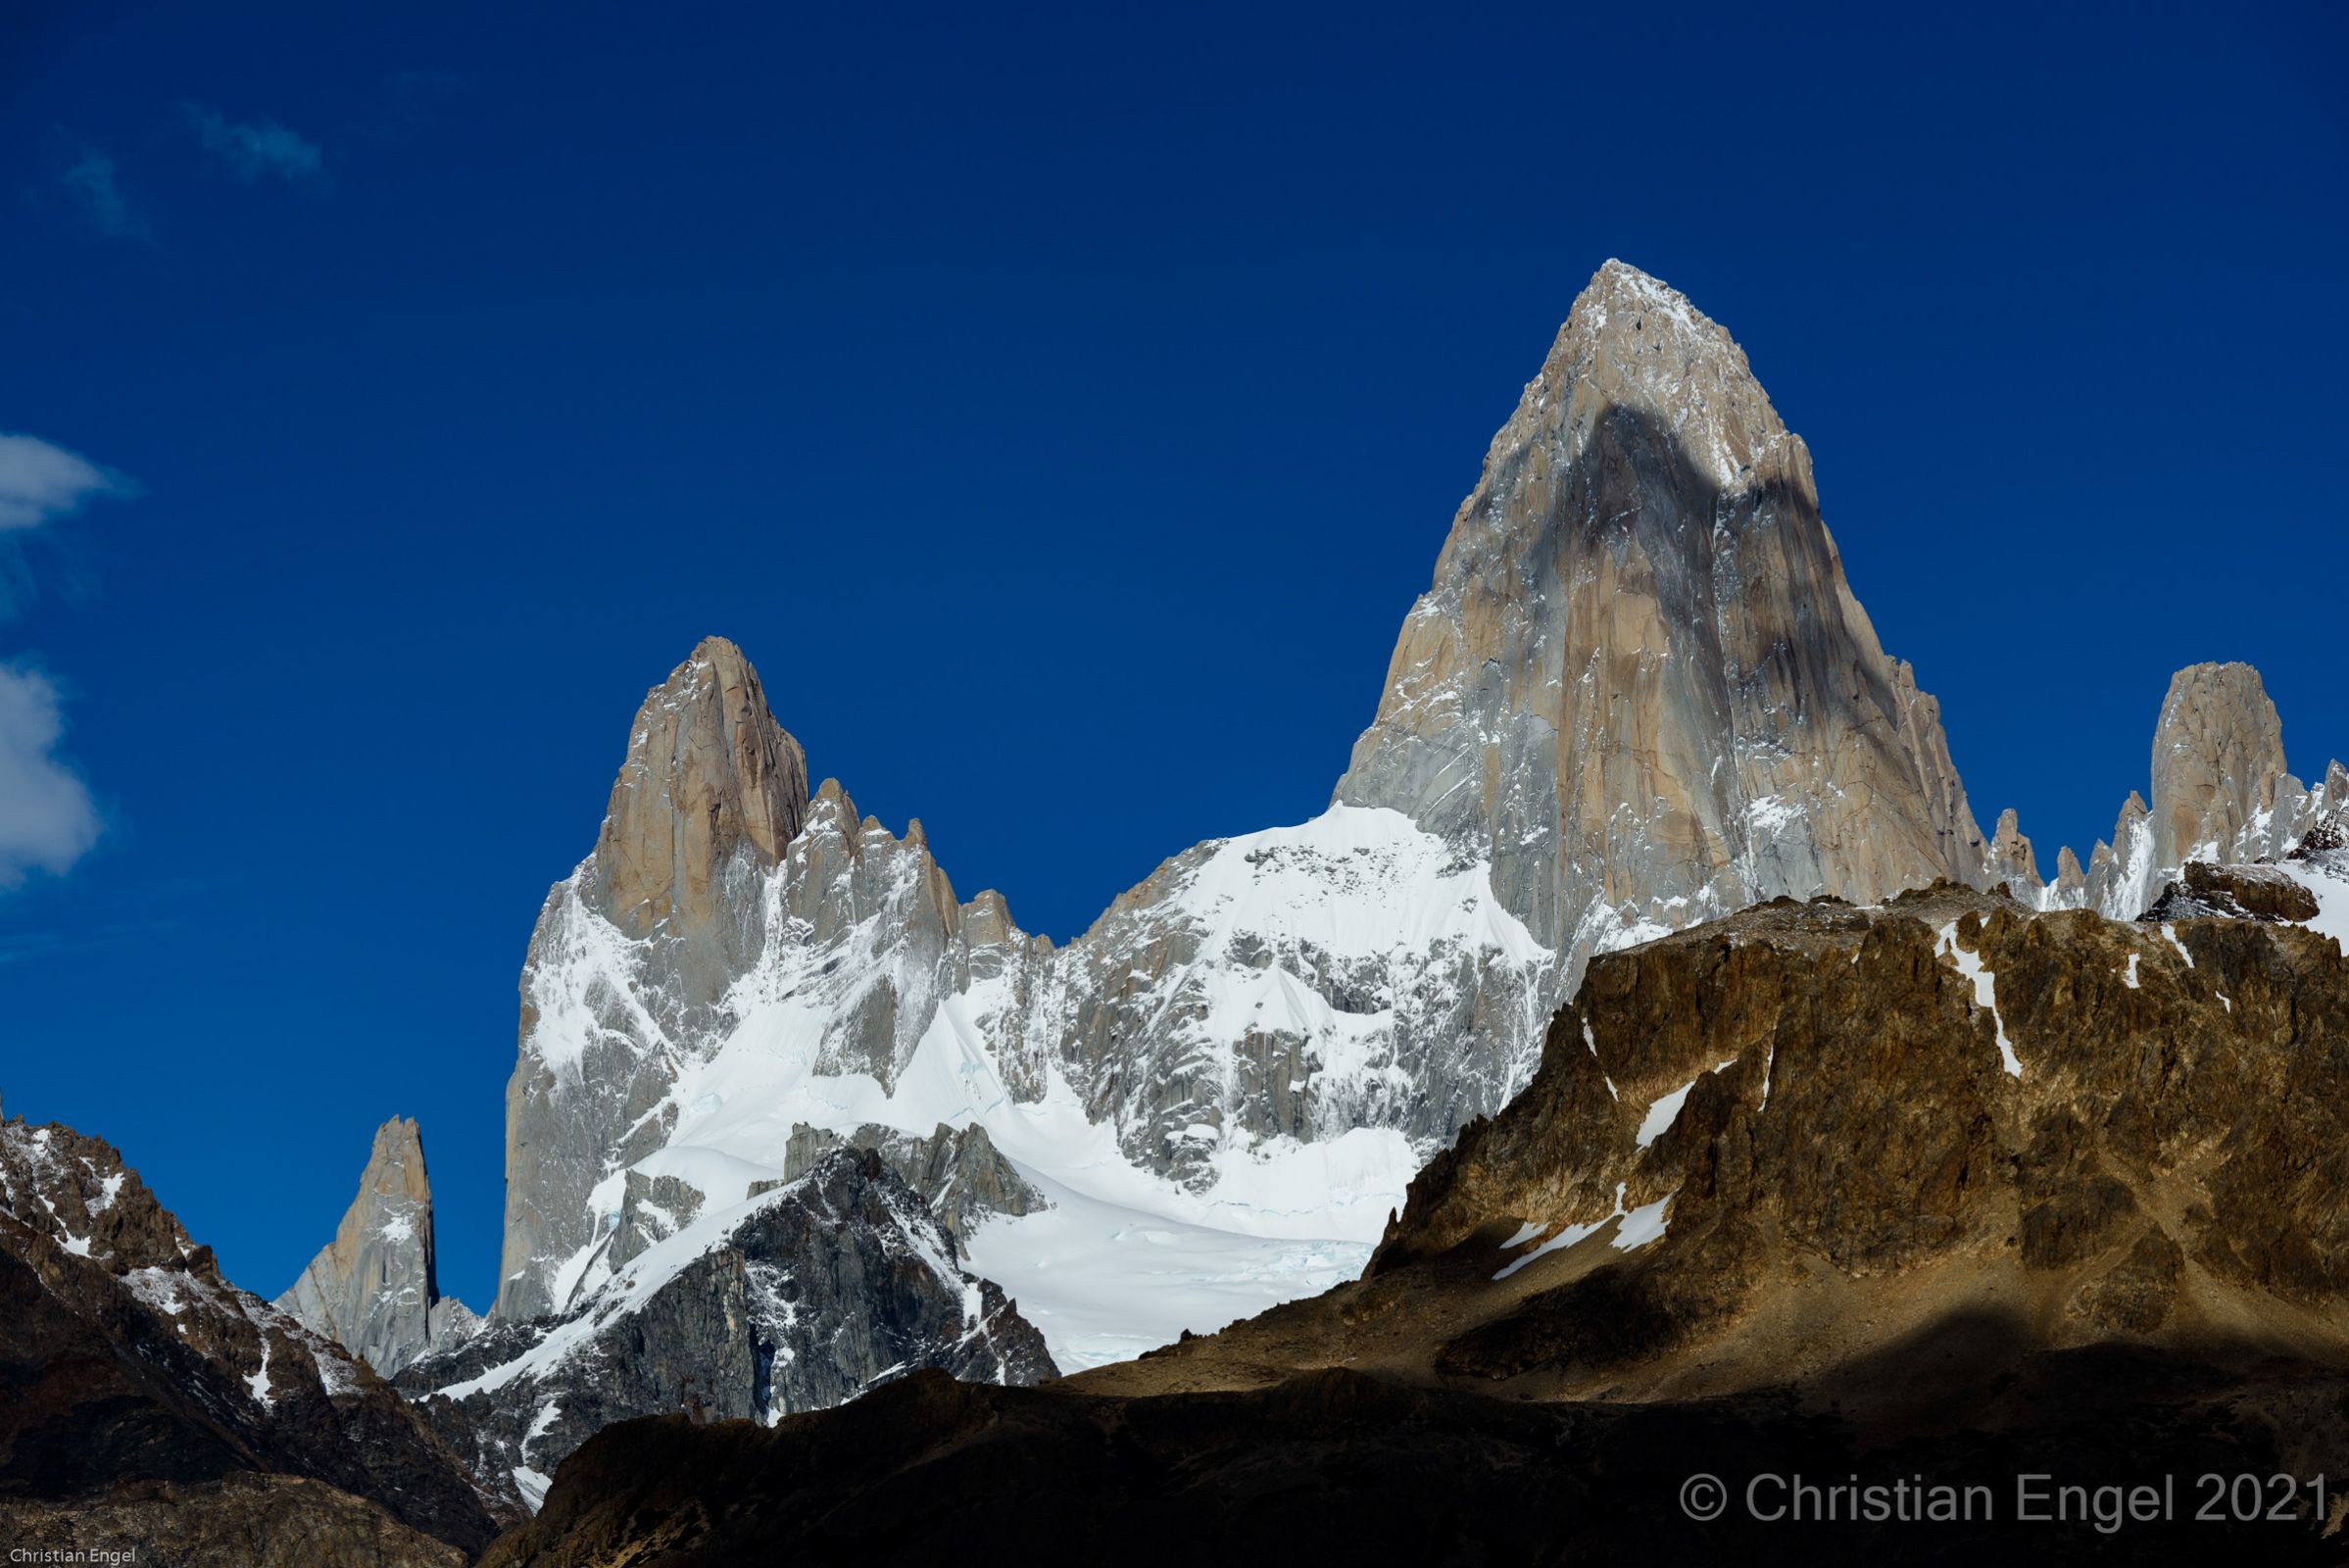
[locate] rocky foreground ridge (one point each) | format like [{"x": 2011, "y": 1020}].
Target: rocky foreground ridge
[
  {"x": 1940, "y": 1188},
  {"x": 147, "y": 1403}
]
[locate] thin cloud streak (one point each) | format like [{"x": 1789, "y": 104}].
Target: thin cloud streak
[
  {"x": 90, "y": 180},
  {"x": 262, "y": 150}
]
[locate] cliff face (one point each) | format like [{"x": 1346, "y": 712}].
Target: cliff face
[
  {"x": 152, "y": 1401},
  {"x": 374, "y": 1290},
  {"x": 709, "y": 793},
  {"x": 1641, "y": 685}
]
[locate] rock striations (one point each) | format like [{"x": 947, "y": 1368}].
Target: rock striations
[
  {"x": 374, "y": 1290},
  {"x": 1641, "y": 687}
]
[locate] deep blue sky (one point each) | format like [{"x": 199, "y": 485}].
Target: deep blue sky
[{"x": 1062, "y": 412}]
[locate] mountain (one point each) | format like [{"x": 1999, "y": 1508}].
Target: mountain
[
  {"x": 152, "y": 1405},
  {"x": 2222, "y": 795},
  {"x": 1640, "y": 689},
  {"x": 1945, "y": 1192},
  {"x": 374, "y": 1290},
  {"x": 1639, "y": 693},
  {"x": 801, "y": 1296}
]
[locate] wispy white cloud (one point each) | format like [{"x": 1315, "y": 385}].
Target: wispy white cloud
[
  {"x": 47, "y": 818},
  {"x": 89, "y": 178},
  {"x": 40, "y": 480},
  {"x": 262, "y": 150}
]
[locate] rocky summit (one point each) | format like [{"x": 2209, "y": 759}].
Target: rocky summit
[
  {"x": 1641, "y": 687},
  {"x": 374, "y": 1290}
]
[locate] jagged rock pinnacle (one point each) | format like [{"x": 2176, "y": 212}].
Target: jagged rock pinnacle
[
  {"x": 2217, "y": 753},
  {"x": 709, "y": 774},
  {"x": 374, "y": 1290},
  {"x": 1640, "y": 683}
]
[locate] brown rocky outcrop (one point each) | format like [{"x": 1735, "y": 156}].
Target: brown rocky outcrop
[{"x": 2233, "y": 892}]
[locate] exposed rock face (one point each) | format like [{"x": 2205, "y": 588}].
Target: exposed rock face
[
  {"x": 958, "y": 1172},
  {"x": 797, "y": 1298},
  {"x": 2220, "y": 795},
  {"x": 145, "y": 1391},
  {"x": 2217, "y": 756},
  {"x": 709, "y": 796},
  {"x": 1639, "y": 692},
  {"x": 2010, "y": 861},
  {"x": 711, "y": 783},
  {"x": 373, "y": 1291},
  {"x": 1641, "y": 686},
  {"x": 1950, "y": 1097}
]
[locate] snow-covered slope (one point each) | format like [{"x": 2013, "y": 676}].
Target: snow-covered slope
[
  {"x": 1221, "y": 1091},
  {"x": 1638, "y": 694}
]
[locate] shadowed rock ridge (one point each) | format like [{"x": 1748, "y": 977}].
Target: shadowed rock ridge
[
  {"x": 146, "y": 1402},
  {"x": 804, "y": 1297}
]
